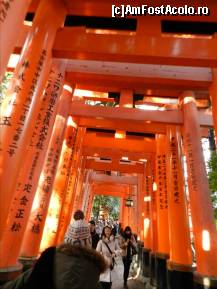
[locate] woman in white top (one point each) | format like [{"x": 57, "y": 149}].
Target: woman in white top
[{"x": 109, "y": 248}]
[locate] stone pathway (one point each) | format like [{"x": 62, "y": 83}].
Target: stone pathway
[{"x": 132, "y": 283}]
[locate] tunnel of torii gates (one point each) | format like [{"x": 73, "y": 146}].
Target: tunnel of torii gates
[{"x": 56, "y": 149}]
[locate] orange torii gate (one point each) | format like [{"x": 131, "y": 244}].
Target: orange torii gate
[
  {"x": 117, "y": 190},
  {"x": 39, "y": 138}
]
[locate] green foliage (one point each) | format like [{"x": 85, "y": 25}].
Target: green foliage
[
  {"x": 100, "y": 103},
  {"x": 4, "y": 85},
  {"x": 106, "y": 104},
  {"x": 212, "y": 175},
  {"x": 111, "y": 203}
]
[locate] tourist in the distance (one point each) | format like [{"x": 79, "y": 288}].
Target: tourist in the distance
[
  {"x": 78, "y": 231},
  {"x": 94, "y": 235}
]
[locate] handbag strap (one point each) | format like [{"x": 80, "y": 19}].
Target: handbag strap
[{"x": 110, "y": 251}]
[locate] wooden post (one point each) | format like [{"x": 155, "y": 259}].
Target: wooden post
[
  {"x": 154, "y": 234},
  {"x": 213, "y": 97},
  {"x": 180, "y": 271},
  {"x": 79, "y": 185},
  {"x": 146, "y": 218},
  {"x": 90, "y": 204},
  {"x": 66, "y": 210},
  {"x": 140, "y": 195},
  {"x": 148, "y": 189},
  {"x": 33, "y": 234},
  {"x": 86, "y": 193},
  {"x": 121, "y": 210},
  {"x": 11, "y": 23},
  {"x": 59, "y": 187},
  {"x": 26, "y": 94},
  {"x": 28, "y": 179},
  {"x": 205, "y": 236},
  {"x": 126, "y": 100},
  {"x": 162, "y": 213}
]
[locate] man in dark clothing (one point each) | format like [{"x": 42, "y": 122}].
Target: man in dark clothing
[{"x": 94, "y": 235}]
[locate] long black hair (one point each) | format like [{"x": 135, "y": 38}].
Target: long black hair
[{"x": 126, "y": 236}]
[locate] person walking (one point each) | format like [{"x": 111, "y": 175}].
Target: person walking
[
  {"x": 78, "y": 231},
  {"x": 109, "y": 248},
  {"x": 94, "y": 235},
  {"x": 128, "y": 246}
]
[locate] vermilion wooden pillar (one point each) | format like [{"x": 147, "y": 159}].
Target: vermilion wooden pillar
[
  {"x": 129, "y": 210},
  {"x": 126, "y": 100},
  {"x": 141, "y": 194},
  {"x": 25, "y": 93},
  {"x": 148, "y": 189},
  {"x": 154, "y": 234},
  {"x": 126, "y": 210},
  {"x": 28, "y": 179},
  {"x": 11, "y": 23},
  {"x": 33, "y": 234},
  {"x": 86, "y": 199},
  {"x": 162, "y": 212},
  {"x": 90, "y": 204},
  {"x": 59, "y": 187},
  {"x": 133, "y": 221},
  {"x": 146, "y": 209},
  {"x": 83, "y": 185},
  {"x": 180, "y": 272},
  {"x": 213, "y": 97},
  {"x": 125, "y": 214},
  {"x": 79, "y": 185},
  {"x": 66, "y": 210},
  {"x": 205, "y": 235},
  {"x": 121, "y": 210},
  {"x": 86, "y": 191}
]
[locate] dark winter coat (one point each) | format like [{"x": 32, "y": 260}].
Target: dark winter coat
[
  {"x": 95, "y": 239},
  {"x": 126, "y": 243},
  {"x": 67, "y": 267}
]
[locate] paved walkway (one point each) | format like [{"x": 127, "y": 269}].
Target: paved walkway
[{"x": 133, "y": 282}]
